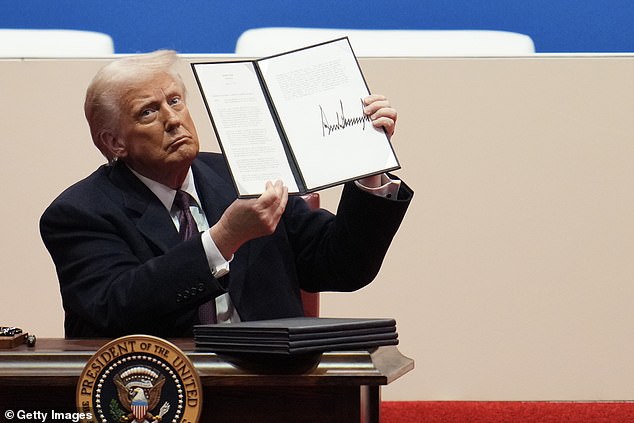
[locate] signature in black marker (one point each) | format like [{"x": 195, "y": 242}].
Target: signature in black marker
[{"x": 342, "y": 121}]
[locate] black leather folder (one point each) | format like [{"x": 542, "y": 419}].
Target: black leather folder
[{"x": 293, "y": 336}]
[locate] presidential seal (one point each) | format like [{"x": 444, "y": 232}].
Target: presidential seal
[{"x": 139, "y": 379}]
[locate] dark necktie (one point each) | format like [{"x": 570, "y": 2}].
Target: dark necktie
[
  {"x": 187, "y": 229},
  {"x": 187, "y": 224}
]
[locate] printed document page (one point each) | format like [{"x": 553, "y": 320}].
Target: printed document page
[
  {"x": 244, "y": 125},
  {"x": 317, "y": 93}
]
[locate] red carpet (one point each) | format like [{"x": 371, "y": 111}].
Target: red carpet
[{"x": 505, "y": 412}]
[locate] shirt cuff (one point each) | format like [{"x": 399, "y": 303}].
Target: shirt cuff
[
  {"x": 388, "y": 189},
  {"x": 214, "y": 258}
]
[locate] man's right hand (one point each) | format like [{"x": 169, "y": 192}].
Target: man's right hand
[{"x": 245, "y": 220}]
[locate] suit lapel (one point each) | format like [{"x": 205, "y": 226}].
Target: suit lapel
[
  {"x": 214, "y": 192},
  {"x": 148, "y": 213}
]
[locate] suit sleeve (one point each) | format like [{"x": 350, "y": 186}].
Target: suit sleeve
[{"x": 345, "y": 252}]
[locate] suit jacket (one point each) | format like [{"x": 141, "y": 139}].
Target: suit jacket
[{"x": 123, "y": 269}]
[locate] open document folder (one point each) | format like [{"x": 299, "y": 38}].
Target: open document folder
[{"x": 296, "y": 117}]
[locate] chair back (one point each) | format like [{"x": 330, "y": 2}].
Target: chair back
[
  {"x": 389, "y": 43},
  {"x": 45, "y": 43}
]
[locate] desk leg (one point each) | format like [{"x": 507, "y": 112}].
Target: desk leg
[{"x": 370, "y": 404}]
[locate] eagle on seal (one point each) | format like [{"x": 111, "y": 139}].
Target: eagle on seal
[{"x": 140, "y": 395}]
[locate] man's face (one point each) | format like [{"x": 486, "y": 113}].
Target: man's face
[{"x": 156, "y": 134}]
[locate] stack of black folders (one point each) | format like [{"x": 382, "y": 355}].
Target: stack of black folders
[{"x": 292, "y": 344}]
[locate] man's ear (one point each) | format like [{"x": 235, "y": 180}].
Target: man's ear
[{"x": 112, "y": 146}]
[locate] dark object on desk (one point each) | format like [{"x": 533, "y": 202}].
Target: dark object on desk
[
  {"x": 30, "y": 340},
  {"x": 292, "y": 345},
  {"x": 11, "y": 337},
  {"x": 296, "y": 336}
]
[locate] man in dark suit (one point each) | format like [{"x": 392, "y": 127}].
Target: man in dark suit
[{"x": 123, "y": 266}]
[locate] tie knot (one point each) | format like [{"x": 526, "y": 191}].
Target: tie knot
[{"x": 182, "y": 200}]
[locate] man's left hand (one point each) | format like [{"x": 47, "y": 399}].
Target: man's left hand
[{"x": 381, "y": 112}]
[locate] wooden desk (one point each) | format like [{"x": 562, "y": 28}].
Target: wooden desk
[{"x": 344, "y": 387}]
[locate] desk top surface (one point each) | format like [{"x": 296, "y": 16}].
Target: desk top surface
[{"x": 61, "y": 361}]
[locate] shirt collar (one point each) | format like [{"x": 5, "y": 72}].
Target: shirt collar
[{"x": 166, "y": 194}]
